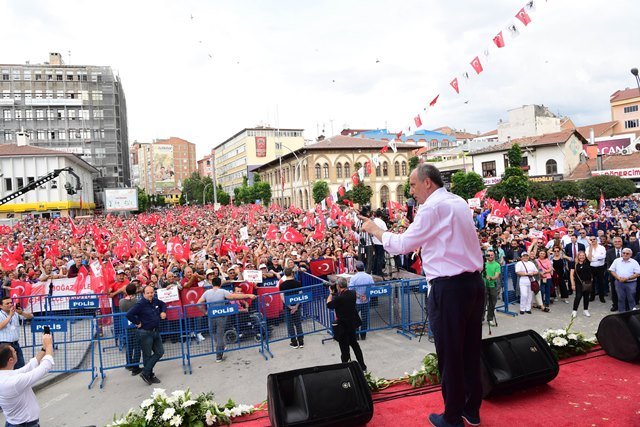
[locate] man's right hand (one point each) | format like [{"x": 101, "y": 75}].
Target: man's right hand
[{"x": 12, "y": 311}]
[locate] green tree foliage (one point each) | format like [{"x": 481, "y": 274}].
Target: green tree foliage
[
  {"x": 360, "y": 194},
  {"x": 320, "y": 191},
  {"x": 222, "y": 196},
  {"x": 541, "y": 191},
  {"x": 611, "y": 186},
  {"x": 565, "y": 188},
  {"x": 195, "y": 186},
  {"x": 466, "y": 185},
  {"x": 514, "y": 187},
  {"x": 515, "y": 156},
  {"x": 262, "y": 191},
  {"x": 143, "y": 200},
  {"x": 160, "y": 201}
]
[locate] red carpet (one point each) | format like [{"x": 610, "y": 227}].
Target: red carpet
[{"x": 591, "y": 390}]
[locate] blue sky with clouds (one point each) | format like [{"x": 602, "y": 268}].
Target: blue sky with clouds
[{"x": 312, "y": 64}]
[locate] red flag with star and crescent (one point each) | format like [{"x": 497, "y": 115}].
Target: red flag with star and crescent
[
  {"x": 293, "y": 236},
  {"x": 322, "y": 267},
  {"x": 81, "y": 280}
]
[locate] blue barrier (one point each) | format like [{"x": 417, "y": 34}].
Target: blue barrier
[
  {"x": 510, "y": 290},
  {"x": 413, "y": 303}
]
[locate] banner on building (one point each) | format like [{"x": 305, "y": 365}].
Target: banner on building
[
  {"x": 261, "y": 146},
  {"x": 163, "y": 170}
]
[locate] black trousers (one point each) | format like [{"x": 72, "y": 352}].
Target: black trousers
[
  {"x": 455, "y": 313},
  {"x": 294, "y": 326},
  {"x": 378, "y": 265},
  {"x": 599, "y": 286},
  {"x": 348, "y": 339}
]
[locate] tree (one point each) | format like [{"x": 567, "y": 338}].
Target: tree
[
  {"x": 143, "y": 200},
  {"x": 360, "y": 194},
  {"x": 563, "y": 189},
  {"x": 160, "y": 201},
  {"x": 320, "y": 191},
  {"x": 466, "y": 185},
  {"x": 611, "y": 186},
  {"x": 514, "y": 187},
  {"x": 223, "y": 196},
  {"x": 262, "y": 190},
  {"x": 541, "y": 191},
  {"x": 515, "y": 156}
]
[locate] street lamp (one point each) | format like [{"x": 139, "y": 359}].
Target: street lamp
[
  {"x": 203, "y": 191},
  {"x": 634, "y": 71}
]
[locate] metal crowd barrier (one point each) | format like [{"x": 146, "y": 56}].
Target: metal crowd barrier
[
  {"x": 413, "y": 303},
  {"x": 510, "y": 290}
]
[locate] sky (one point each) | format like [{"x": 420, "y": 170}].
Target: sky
[{"x": 204, "y": 70}]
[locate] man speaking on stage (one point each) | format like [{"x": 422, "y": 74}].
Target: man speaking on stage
[{"x": 452, "y": 261}]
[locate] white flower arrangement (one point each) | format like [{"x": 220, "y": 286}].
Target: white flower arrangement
[
  {"x": 182, "y": 409},
  {"x": 566, "y": 343}
]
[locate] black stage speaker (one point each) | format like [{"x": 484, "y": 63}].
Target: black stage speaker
[
  {"x": 619, "y": 335},
  {"x": 516, "y": 361},
  {"x": 332, "y": 395}
]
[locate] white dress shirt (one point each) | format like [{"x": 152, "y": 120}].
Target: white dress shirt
[
  {"x": 17, "y": 399},
  {"x": 380, "y": 223},
  {"x": 625, "y": 268},
  {"x": 598, "y": 255},
  {"x": 444, "y": 229}
]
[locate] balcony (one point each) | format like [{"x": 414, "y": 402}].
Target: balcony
[{"x": 40, "y": 102}]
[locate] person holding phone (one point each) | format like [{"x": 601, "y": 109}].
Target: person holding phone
[
  {"x": 17, "y": 399},
  {"x": 10, "y": 317}
]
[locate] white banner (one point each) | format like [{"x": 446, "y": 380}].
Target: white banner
[
  {"x": 475, "y": 203},
  {"x": 62, "y": 290},
  {"x": 622, "y": 173},
  {"x": 494, "y": 219},
  {"x": 537, "y": 234},
  {"x": 244, "y": 233},
  {"x": 253, "y": 276},
  {"x": 167, "y": 295}
]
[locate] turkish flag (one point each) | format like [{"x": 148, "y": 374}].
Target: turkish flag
[
  {"x": 7, "y": 261},
  {"x": 434, "y": 100},
  {"x": 417, "y": 121},
  {"x": 454, "y": 85},
  {"x": 416, "y": 266},
  {"x": 322, "y": 267},
  {"x": 384, "y": 149},
  {"x": 122, "y": 249},
  {"x": 160, "y": 246},
  {"x": 355, "y": 179},
  {"x": 557, "y": 208},
  {"x": 189, "y": 297},
  {"x": 477, "y": 66},
  {"x": 534, "y": 203},
  {"x": 20, "y": 289},
  {"x": 602, "y": 203},
  {"x": 341, "y": 190},
  {"x": 335, "y": 212},
  {"x": 271, "y": 232},
  {"x": 368, "y": 167},
  {"x": 18, "y": 251},
  {"x": 527, "y": 206},
  {"x": 81, "y": 280},
  {"x": 499, "y": 40},
  {"x": 523, "y": 17},
  {"x": 108, "y": 276},
  {"x": 480, "y": 194},
  {"x": 139, "y": 246},
  {"x": 293, "y": 236},
  {"x": 500, "y": 209},
  {"x": 178, "y": 249}
]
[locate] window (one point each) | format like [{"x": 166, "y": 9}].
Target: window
[
  {"x": 19, "y": 183},
  {"x": 49, "y": 94},
  {"x": 17, "y": 94},
  {"x": 62, "y": 134},
  {"x": 52, "y": 135},
  {"x": 385, "y": 170},
  {"x": 61, "y": 114},
  {"x": 6, "y": 94},
  {"x": 318, "y": 171},
  {"x": 41, "y": 135},
  {"x": 96, "y": 95},
  {"x": 552, "y": 167},
  {"x": 70, "y": 75},
  {"x": 49, "y": 75},
  {"x": 396, "y": 168},
  {"x": 628, "y": 124},
  {"x": 16, "y": 74},
  {"x": 30, "y": 179},
  {"x": 38, "y": 76},
  {"x": 8, "y": 184},
  {"x": 27, "y": 74},
  {"x": 631, "y": 109},
  {"x": 60, "y": 94},
  {"x": 400, "y": 194},
  {"x": 28, "y": 114},
  {"x": 39, "y": 114},
  {"x": 18, "y": 114},
  {"x": 5, "y": 74},
  {"x": 378, "y": 170},
  {"x": 72, "y": 114},
  {"x": 8, "y": 136},
  {"x": 489, "y": 169},
  {"x": 38, "y": 94},
  {"x": 338, "y": 170},
  {"x": 347, "y": 170},
  {"x": 50, "y": 115},
  {"x": 59, "y": 77},
  {"x": 325, "y": 170},
  {"x": 98, "y": 114},
  {"x": 7, "y": 115},
  {"x": 384, "y": 195},
  {"x": 404, "y": 168}
]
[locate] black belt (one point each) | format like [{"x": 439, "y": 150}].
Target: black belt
[
  {"x": 150, "y": 330},
  {"x": 468, "y": 274},
  {"x": 10, "y": 342}
]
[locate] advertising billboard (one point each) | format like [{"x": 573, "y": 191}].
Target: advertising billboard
[
  {"x": 261, "y": 146},
  {"x": 163, "y": 173},
  {"x": 120, "y": 199}
]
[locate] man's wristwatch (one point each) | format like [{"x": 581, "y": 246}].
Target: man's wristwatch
[{"x": 43, "y": 349}]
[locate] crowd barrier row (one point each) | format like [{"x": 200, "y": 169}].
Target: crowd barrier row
[{"x": 90, "y": 336}]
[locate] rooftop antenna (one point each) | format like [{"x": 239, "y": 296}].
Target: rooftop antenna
[{"x": 69, "y": 55}]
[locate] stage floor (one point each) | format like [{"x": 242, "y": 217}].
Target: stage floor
[{"x": 590, "y": 390}]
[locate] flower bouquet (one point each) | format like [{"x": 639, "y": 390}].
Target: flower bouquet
[
  {"x": 181, "y": 409},
  {"x": 566, "y": 343}
]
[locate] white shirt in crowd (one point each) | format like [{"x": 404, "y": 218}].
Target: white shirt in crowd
[
  {"x": 17, "y": 399},
  {"x": 625, "y": 268},
  {"x": 598, "y": 255},
  {"x": 380, "y": 223},
  {"x": 524, "y": 267},
  {"x": 444, "y": 229}
]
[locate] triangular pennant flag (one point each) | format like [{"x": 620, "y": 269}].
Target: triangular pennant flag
[
  {"x": 355, "y": 179},
  {"x": 513, "y": 30},
  {"x": 530, "y": 6},
  {"x": 454, "y": 85},
  {"x": 524, "y": 17},
  {"x": 499, "y": 40},
  {"x": 477, "y": 66},
  {"x": 417, "y": 121},
  {"x": 376, "y": 159},
  {"x": 361, "y": 173},
  {"x": 393, "y": 146},
  {"x": 434, "y": 100}
]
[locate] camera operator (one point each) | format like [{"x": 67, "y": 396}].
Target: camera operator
[
  {"x": 17, "y": 399},
  {"x": 343, "y": 301}
]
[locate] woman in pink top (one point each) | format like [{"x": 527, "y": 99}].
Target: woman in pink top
[{"x": 545, "y": 267}]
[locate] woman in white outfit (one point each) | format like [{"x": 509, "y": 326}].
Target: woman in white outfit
[{"x": 525, "y": 270}]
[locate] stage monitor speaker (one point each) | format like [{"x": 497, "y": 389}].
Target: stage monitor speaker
[
  {"x": 619, "y": 335},
  {"x": 332, "y": 395},
  {"x": 516, "y": 361}
]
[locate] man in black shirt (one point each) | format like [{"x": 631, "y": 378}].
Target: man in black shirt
[
  {"x": 289, "y": 287},
  {"x": 146, "y": 315},
  {"x": 343, "y": 301}
]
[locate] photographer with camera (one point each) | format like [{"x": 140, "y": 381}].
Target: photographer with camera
[
  {"x": 343, "y": 301},
  {"x": 10, "y": 317},
  {"x": 17, "y": 399}
]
